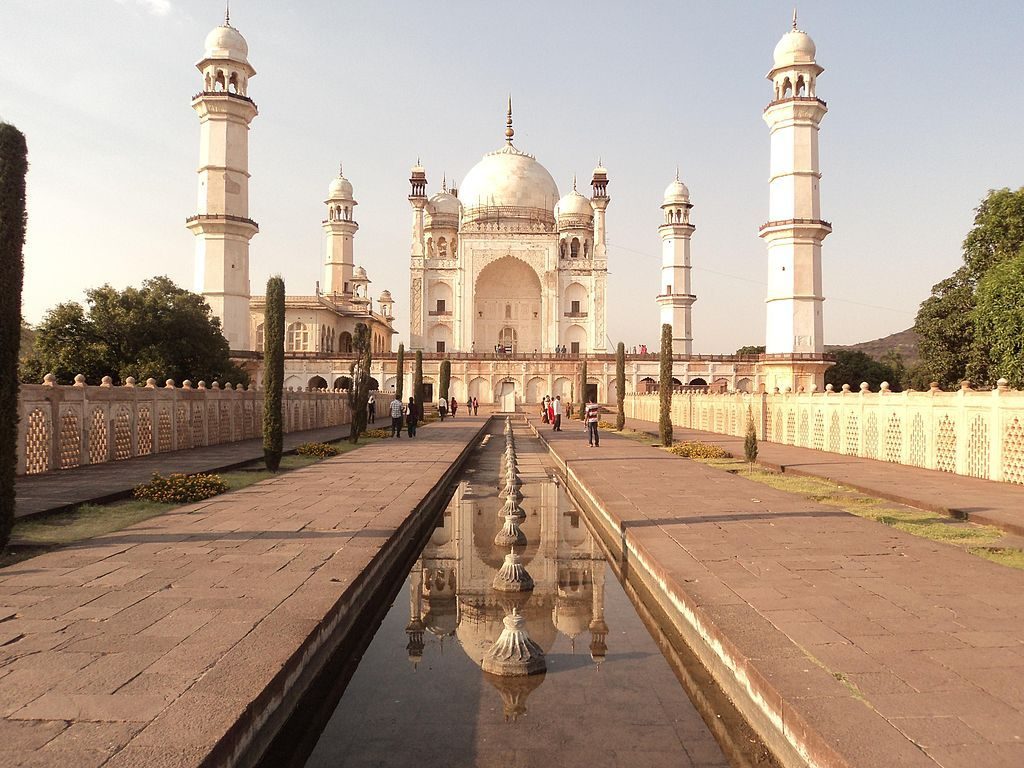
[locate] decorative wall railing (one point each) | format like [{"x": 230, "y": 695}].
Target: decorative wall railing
[
  {"x": 62, "y": 427},
  {"x": 967, "y": 432}
]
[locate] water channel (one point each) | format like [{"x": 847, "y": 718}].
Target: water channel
[{"x": 611, "y": 694}]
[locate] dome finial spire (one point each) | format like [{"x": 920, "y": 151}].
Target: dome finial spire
[
  {"x": 794, "y": 18},
  {"x": 574, "y": 182},
  {"x": 341, "y": 170},
  {"x": 444, "y": 182},
  {"x": 509, "y": 133},
  {"x": 227, "y": 13},
  {"x": 677, "y": 171}
]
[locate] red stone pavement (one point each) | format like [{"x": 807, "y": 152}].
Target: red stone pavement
[
  {"x": 876, "y": 647},
  {"x": 143, "y": 647},
  {"x": 981, "y": 501}
]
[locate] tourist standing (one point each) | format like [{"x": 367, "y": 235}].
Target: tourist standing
[
  {"x": 544, "y": 409},
  {"x": 371, "y": 409},
  {"x": 558, "y": 413},
  {"x": 411, "y": 417},
  {"x": 442, "y": 408},
  {"x": 396, "y": 417},
  {"x": 592, "y": 414},
  {"x": 455, "y": 406},
  {"x": 469, "y": 405},
  {"x": 551, "y": 411},
  {"x": 476, "y": 406}
]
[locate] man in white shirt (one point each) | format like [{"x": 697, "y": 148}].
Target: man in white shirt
[
  {"x": 396, "y": 417},
  {"x": 558, "y": 413}
]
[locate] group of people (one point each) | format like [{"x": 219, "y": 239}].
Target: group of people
[
  {"x": 446, "y": 408},
  {"x": 561, "y": 350},
  {"x": 551, "y": 411},
  {"x": 409, "y": 413},
  {"x": 642, "y": 349}
]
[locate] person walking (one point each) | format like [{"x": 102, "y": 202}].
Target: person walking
[
  {"x": 476, "y": 406},
  {"x": 371, "y": 409},
  {"x": 469, "y": 405},
  {"x": 455, "y": 407},
  {"x": 396, "y": 417},
  {"x": 551, "y": 412},
  {"x": 592, "y": 415},
  {"x": 442, "y": 408},
  {"x": 411, "y": 417},
  {"x": 544, "y": 409},
  {"x": 558, "y": 413}
]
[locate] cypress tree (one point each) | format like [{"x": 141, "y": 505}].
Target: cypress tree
[
  {"x": 359, "y": 394},
  {"x": 400, "y": 373},
  {"x": 446, "y": 379},
  {"x": 665, "y": 386},
  {"x": 583, "y": 390},
  {"x": 13, "y": 167},
  {"x": 750, "y": 440},
  {"x": 620, "y": 386},
  {"x": 273, "y": 374},
  {"x": 417, "y": 386}
]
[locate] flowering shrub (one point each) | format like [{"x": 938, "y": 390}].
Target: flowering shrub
[
  {"x": 180, "y": 489},
  {"x": 606, "y": 425},
  {"x": 377, "y": 433},
  {"x": 696, "y": 450},
  {"x": 319, "y": 450}
]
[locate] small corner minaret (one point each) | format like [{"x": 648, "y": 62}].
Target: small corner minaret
[
  {"x": 222, "y": 225},
  {"x": 600, "y": 200},
  {"x": 417, "y": 264},
  {"x": 794, "y": 230},
  {"x": 339, "y": 232},
  {"x": 675, "y": 297}
]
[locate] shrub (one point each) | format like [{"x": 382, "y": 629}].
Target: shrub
[
  {"x": 319, "y": 450},
  {"x": 697, "y": 450},
  {"x": 606, "y": 425},
  {"x": 377, "y": 433},
  {"x": 750, "y": 439},
  {"x": 179, "y": 488}
]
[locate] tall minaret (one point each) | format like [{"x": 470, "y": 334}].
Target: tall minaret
[
  {"x": 417, "y": 265},
  {"x": 339, "y": 230},
  {"x": 600, "y": 201},
  {"x": 675, "y": 298},
  {"x": 794, "y": 230},
  {"x": 222, "y": 225}
]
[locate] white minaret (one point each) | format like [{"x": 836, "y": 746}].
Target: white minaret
[
  {"x": 339, "y": 230},
  {"x": 675, "y": 298},
  {"x": 222, "y": 225},
  {"x": 417, "y": 265},
  {"x": 794, "y": 230}
]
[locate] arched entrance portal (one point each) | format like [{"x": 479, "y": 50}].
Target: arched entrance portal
[
  {"x": 506, "y": 306},
  {"x": 506, "y": 396}
]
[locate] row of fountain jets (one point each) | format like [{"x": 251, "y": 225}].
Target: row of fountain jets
[{"x": 513, "y": 654}]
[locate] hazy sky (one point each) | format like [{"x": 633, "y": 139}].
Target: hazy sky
[{"x": 926, "y": 108}]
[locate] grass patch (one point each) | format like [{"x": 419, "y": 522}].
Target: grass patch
[{"x": 1014, "y": 558}]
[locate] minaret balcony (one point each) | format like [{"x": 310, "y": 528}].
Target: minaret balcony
[
  {"x": 797, "y": 100},
  {"x": 439, "y": 313},
  {"x": 214, "y": 222},
  {"x": 222, "y": 94},
  {"x": 576, "y": 314},
  {"x": 812, "y": 228}
]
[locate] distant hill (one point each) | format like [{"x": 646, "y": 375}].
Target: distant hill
[{"x": 904, "y": 342}]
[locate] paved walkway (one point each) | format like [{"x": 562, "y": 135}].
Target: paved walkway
[
  {"x": 154, "y": 645},
  {"x": 869, "y": 646},
  {"x": 98, "y": 483},
  {"x": 981, "y": 501}
]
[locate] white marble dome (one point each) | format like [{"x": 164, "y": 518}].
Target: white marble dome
[
  {"x": 574, "y": 204},
  {"x": 226, "y": 42},
  {"x": 795, "y": 47},
  {"x": 445, "y": 203},
  {"x": 677, "y": 192},
  {"x": 340, "y": 189},
  {"x": 509, "y": 178}
]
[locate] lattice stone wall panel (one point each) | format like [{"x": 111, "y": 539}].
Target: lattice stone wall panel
[
  {"x": 893, "y": 447},
  {"x": 834, "y": 433},
  {"x": 164, "y": 431},
  {"x": 70, "y": 449},
  {"x": 145, "y": 431},
  {"x": 945, "y": 445},
  {"x": 918, "y": 442},
  {"x": 198, "y": 434},
  {"x": 250, "y": 420},
  {"x": 236, "y": 423},
  {"x": 1013, "y": 452},
  {"x": 978, "y": 448},
  {"x": 37, "y": 442},
  {"x": 767, "y": 423},
  {"x": 98, "y": 445},
  {"x": 852, "y": 447},
  {"x": 791, "y": 427},
  {"x": 871, "y": 436},
  {"x": 804, "y": 429},
  {"x": 778, "y": 425},
  {"x": 212, "y": 424},
  {"x": 225, "y": 423},
  {"x": 122, "y": 434},
  {"x": 819, "y": 431},
  {"x": 184, "y": 437}
]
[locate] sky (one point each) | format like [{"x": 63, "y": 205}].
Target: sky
[{"x": 925, "y": 100}]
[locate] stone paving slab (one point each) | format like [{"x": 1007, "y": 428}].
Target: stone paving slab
[
  {"x": 150, "y": 646},
  {"x": 96, "y": 483},
  {"x": 970, "y": 498},
  {"x": 868, "y": 646}
]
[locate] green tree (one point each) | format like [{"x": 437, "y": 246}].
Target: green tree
[
  {"x": 998, "y": 318},
  {"x": 751, "y": 349},
  {"x": 446, "y": 378},
  {"x": 750, "y": 439},
  {"x": 13, "y": 167},
  {"x": 158, "y": 330},
  {"x": 665, "y": 387},
  {"x": 620, "y": 386},
  {"x": 400, "y": 373},
  {"x": 273, "y": 374},
  {"x": 359, "y": 394},
  {"x": 583, "y": 390},
  {"x": 853, "y": 366},
  {"x": 417, "y": 386},
  {"x": 951, "y": 347}
]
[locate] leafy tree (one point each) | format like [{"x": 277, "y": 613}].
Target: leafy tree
[
  {"x": 13, "y": 167},
  {"x": 750, "y": 439},
  {"x": 998, "y": 317},
  {"x": 359, "y": 394},
  {"x": 583, "y": 390},
  {"x": 158, "y": 330},
  {"x": 400, "y": 373},
  {"x": 445, "y": 379},
  {"x": 417, "y": 385},
  {"x": 853, "y": 366},
  {"x": 665, "y": 387},
  {"x": 951, "y": 346},
  {"x": 751, "y": 349},
  {"x": 620, "y": 386},
  {"x": 273, "y": 374}
]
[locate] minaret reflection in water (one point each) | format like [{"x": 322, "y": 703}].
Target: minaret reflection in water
[{"x": 451, "y": 588}]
